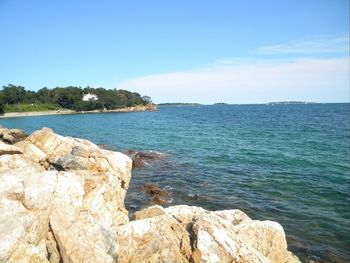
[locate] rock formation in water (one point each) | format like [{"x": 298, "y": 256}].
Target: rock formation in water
[
  {"x": 62, "y": 200},
  {"x": 143, "y": 158},
  {"x": 159, "y": 196}
]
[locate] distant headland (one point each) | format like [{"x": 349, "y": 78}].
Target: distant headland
[
  {"x": 290, "y": 102},
  {"x": 16, "y": 101}
]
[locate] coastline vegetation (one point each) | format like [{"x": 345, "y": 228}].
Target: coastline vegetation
[
  {"x": 17, "y": 99},
  {"x": 24, "y": 107}
]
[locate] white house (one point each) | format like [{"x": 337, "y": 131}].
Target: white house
[{"x": 90, "y": 97}]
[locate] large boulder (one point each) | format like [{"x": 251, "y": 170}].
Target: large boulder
[
  {"x": 220, "y": 236},
  {"x": 61, "y": 199}
]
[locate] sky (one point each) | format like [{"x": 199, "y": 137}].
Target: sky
[{"x": 233, "y": 51}]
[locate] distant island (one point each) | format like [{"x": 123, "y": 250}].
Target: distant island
[
  {"x": 17, "y": 99},
  {"x": 221, "y": 103},
  {"x": 178, "y": 104},
  {"x": 290, "y": 102}
]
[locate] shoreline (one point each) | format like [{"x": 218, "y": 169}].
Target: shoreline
[
  {"x": 150, "y": 107},
  {"x": 59, "y": 191}
]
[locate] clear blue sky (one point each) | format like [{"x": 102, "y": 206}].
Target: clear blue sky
[{"x": 174, "y": 50}]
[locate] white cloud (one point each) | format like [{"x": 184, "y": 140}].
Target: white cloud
[
  {"x": 250, "y": 81},
  {"x": 311, "y": 45}
]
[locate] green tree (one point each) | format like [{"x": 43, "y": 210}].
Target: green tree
[
  {"x": 13, "y": 94},
  {"x": 2, "y": 105},
  {"x": 44, "y": 95},
  {"x": 66, "y": 97},
  {"x": 30, "y": 97}
]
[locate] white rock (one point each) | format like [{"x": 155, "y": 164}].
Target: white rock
[
  {"x": 71, "y": 214},
  {"x": 9, "y": 149},
  {"x": 157, "y": 239},
  {"x": 150, "y": 212},
  {"x": 30, "y": 151}
]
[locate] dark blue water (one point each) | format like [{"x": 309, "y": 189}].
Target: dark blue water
[{"x": 288, "y": 163}]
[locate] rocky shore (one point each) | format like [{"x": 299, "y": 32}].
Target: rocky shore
[
  {"x": 149, "y": 107},
  {"x": 62, "y": 200}
]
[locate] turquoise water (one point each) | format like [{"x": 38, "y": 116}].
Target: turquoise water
[{"x": 288, "y": 163}]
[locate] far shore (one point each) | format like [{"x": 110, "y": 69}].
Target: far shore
[{"x": 150, "y": 107}]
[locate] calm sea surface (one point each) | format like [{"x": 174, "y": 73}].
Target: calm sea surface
[{"x": 288, "y": 163}]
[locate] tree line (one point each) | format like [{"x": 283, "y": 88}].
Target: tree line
[{"x": 70, "y": 98}]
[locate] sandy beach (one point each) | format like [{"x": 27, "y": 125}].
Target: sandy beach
[{"x": 151, "y": 107}]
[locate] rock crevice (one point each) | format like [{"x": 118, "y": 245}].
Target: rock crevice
[{"x": 53, "y": 250}]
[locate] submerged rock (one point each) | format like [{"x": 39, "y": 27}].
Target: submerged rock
[
  {"x": 143, "y": 158},
  {"x": 159, "y": 196},
  {"x": 76, "y": 213},
  {"x": 160, "y": 200},
  {"x": 153, "y": 189}
]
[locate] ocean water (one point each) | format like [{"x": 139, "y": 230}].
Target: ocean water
[{"x": 288, "y": 163}]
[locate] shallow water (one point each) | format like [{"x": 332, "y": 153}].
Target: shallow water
[{"x": 288, "y": 163}]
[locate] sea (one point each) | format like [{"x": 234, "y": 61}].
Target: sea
[{"x": 286, "y": 163}]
